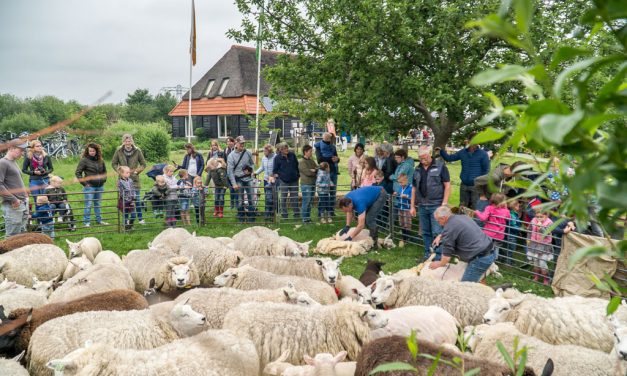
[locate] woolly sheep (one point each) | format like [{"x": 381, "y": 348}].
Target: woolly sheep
[
  {"x": 249, "y": 278},
  {"x": 371, "y": 272},
  {"x": 20, "y": 240},
  {"x": 453, "y": 272},
  {"x": 225, "y": 241},
  {"x": 168, "y": 269},
  {"x": 140, "y": 330},
  {"x": 261, "y": 241},
  {"x": 75, "y": 265},
  {"x": 323, "y": 364},
  {"x": 115, "y": 300},
  {"x": 394, "y": 349},
  {"x": 568, "y": 359},
  {"x": 21, "y": 298},
  {"x": 619, "y": 352},
  {"x": 431, "y": 323},
  {"x": 90, "y": 247},
  {"x": 337, "y": 246},
  {"x": 211, "y": 257},
  {"x": 572, "y": 320},
  {"x": 216, "y": 303},
  {"x": 304, "y": 300},
  {"x": 97, "y": 279},
  {"x": 256, "y": 232},
  {"x": 12, "y": 367},
  {"x": 107, "y": 257},
  {"x": 276, "y": 327},
  {"x": 171, "y": 239},
  {"x": 351, "y": 287},
  {"x": 319, "y": 268},
  {"x": 44, "y": 261},
  {"x": 211, "y": 353},
  {"x": 466, "y": 301}
]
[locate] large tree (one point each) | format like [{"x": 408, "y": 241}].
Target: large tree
[{"x": 382, "y": 65}]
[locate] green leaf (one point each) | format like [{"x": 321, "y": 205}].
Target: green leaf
[
  {"x": 613, "y": 305},
  {"x": 412, "y": 344},
  {"x": 524, "y": 13},
  {"x": 473, "y": 372},
  {"x": 504, "y": 8},
  {"x": 555, "y": 127},
  {"x": 523, "y": 362},
  {"x": 394, "y": 366},
  {"x": 492, "y": 76},
  {"x": 591, "y": 251},
  {"x": 566, "y": 53},
  {"x": 434, "y": 365},
  {"x": 579, "y": 66},
  {"x": 488, "y": 135},
  {"x": 547, "y": 106},
  {"x": 505, "y": 355}
]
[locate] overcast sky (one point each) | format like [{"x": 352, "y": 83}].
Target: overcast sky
[{"x": 80, "y": 49}]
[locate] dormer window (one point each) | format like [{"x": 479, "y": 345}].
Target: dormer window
[
  {"x": 225, "y": 82},
  {"x": 209, "y": 87}
]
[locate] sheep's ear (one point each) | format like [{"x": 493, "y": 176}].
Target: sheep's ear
[
  {"x": 614, "y": 321},
  {"x": 363, "y": 313},
  {"x": 35, "y": 279},
  {"x": 355, "y": 291},
  {"x": 307, "y": 242},
  {"x": 191, "y": 259},
  {"x": 516, "y": 301},
  {"x": 339, "y": 357},
  {"x": 68, "y": 242},
  {"x": 309, "y": 360},
  {"x": 152, "y": 283},
  {"x": 19, "y": 356},
  {"x": 381, "y": 274},
  {"x": 171, "y": 264},
  {"x": 548, "y": 368},
  {"x": 276, "y": 230},
  {"x": 30, "y": 315},
  {"x": 339, "y": 260},
  {"x": 184, "y": 301},
  {"x": 194, "y": 234},
  {"x": 284, "y": 355},
  {"x": 499, "y": 293},
  {"x": 238, "y": 259}
]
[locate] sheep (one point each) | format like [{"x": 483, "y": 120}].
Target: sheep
[
  {"x": 211, "y": 257},
  {"x": 453, "y": 272},
  {"x": 323, "y": 364},
  {"x": 216, "y": 303},
  {"x": 115, "y": 300},
  {"x": 431, "y": 323},
  {"x": 20, "y": 240},
  {"x": 169, "y": 270},
  {"x": 107, "y": 257},
  {"x": 138, "y": 329},
  {"x": 75, "y": 265},
  {"x": 261, "y": 241},
  {"x": 572, "y": 320},
  {"x": 371, "y": 272},
  {"x": 225, "y": 241},
  {"x": 97, "y": 279},
  {"x": 321, "y": 269},
  {"x": 330, "y": 246},
  {"x": 44, "y": 261},
  {"x": 249, "y": 278},
  {"x": 20, "y": 297},
  {"x": 12, "y": 367},
  {"x": 171, "y": 239},
  {"x": 619, "y": 352},
  {"x": 256, "y": 232},
  {"x": 211, "y": 353},
  {"x": 304, "y": 300},
  {"x": 466, "y": 301},
  {"x": 394, "y": 349},
  {"x": 350, "y": 287},
  {"x": 276, "y": 327},
  {"x": 90, "y": 247}
]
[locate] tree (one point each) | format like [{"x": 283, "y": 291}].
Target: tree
[
  {"x": 139, "y": 96},
  {"x": 164, "y": 103},
  {"x": 51, "y": 108},
  {"x": 22, "y": 122}
]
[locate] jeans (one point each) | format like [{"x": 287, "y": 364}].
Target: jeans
[
  {"x": 477, "y": 267},
  {"x": 510, "y": 247},
  {"x": 63, "y": 210},
  {"x": 218, "y": 200},
  {"x": 333, "y": 192},
  {"x": 38, "y": 187},
  {"x": 324, "y": 203},
  {"x": 268, "y": 189},
  {"x": 373, "y": 212},
  {"x": 15, "y": 219},
  {"x": 139, "y": 206},
  {"x": 289, "y": 190},
  {"x": 308, "y": 192},
  {"x": 430, "y": 227},
  {"x": 93, "y": 195},
  {"x": 244, "y": 193},
  {"x": 468, "y": 196}
]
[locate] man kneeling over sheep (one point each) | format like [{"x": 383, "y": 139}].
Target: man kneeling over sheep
[{"x": 367, "y": 202}]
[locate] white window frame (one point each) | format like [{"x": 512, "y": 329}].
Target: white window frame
[
  {"x": 222, "y": 132},
  {"x": 209, "y": 87},
  {"x": 225, "y": 81}
]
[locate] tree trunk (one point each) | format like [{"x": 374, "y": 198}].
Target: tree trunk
[{"x": 442, "y": 133}]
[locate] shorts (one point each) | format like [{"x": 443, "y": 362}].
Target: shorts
[{"x": 184, "y": 203}]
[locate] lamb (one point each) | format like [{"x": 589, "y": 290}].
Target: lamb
[
  {"x": 171, "y": 239},
  {"x": 226, "y": 241},
  {"x": 21, "y": 297},
  {"x": 44, "y": 261},
  {"x": 371, "y": 273},
  {"x": 75, "y": 265},
  {"x": 261, "y": 241},
  {"x": 350, "y": 287},
  {"x": 216, "y": 303},
  {"x": 394, "y": 349},
  {"x": 115, "y": 300},
  {"x": 431, "y": 323},
  {"x": 169, "y": 270},
  {"x": 568, "y": 359},
  {"x": 572, "y": 320},
  {"x": 276, "y": 327},
  {"x": 321, "y": 269},
  {"x": 20, "y": 240},
  {"x": 249, "y": 278},
  {"x": 323, "y": 364},
  {"x": 211, "y": 353},
  {"x": 330, "y": 246},
  {"x": 211, "y": 257},
  {"x": 97, "y": 279},
  {"x": 12, "y": 367},
  {"x": 139, "y": 329},
  {"x": 107, "y": 257},
  {"x": 90, "y": 247},
  {"x": 619, "y": 352},
  {"x": 453, "y": 272},
  {"x": 466, "y": 301}
]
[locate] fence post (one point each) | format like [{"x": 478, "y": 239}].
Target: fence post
[
  {"x": 391, "y": 215},
  {"x": 120, "y": 228}
]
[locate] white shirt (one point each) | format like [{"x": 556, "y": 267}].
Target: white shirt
[{"x": 191, "y": 168}]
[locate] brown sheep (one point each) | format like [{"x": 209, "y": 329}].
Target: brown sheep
[
  {"x": 114, "y": 300},
  {"x": 20, "y": 240},
  {"x": 394, "y": 349},
  {"x": 371, "y": 273}
]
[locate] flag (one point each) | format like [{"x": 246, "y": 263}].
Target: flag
[
  {"x": 192, "y": 37},
  {"x": 259, "y": 33}
]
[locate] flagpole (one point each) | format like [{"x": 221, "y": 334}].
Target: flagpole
[
  {"x": 259, "y": 46},
  {"x": 192, "y": 56}
]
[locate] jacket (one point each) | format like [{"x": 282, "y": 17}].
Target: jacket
[
  {"x": 286, "y": 168},
  {"x": 135, "y": 161},
  {"x": 44, "y": 214},
  {"x": 56, "y": 195},
  {"x": 435, "y": 185},
  {"x": 474, "y": 164},
  {"x": 200, "y": 163},
  {"x": 93, "y": 169},
  {"x": 495, "y": 219},
  {"x": 159, "y": 192},
  {"x": 307, "y": 177},
  {"x": 325, "y": 152},
  {"x": 233, "y": 168},
  {"x": 27, "y": 168}
]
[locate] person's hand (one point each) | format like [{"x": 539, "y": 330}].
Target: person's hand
[
  {"x": 15, "y": 204},
  {"x": 236, "y": 187},
  {"x": 434, "y": 265},
  {"x": 436, "y": 241},
  {"x": 348, "y": 239},
  {"x": 335, "y": 159},
  {"x": 412, "y": 211},
  {"x": 271, "y": 179},
  {"x": 437, "y": 150},
  {"x": 37, "y": 172},
  {"x": 344, "y": 230}
]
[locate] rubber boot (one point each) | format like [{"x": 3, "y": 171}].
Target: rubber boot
[
  {"x": 547, "y": 280},
  {"x": 536, "y": 274},
  {"x": 221, "y": 212},
  {"x": 216, "y": 210}
]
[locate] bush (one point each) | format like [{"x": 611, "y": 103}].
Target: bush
[
  {"x": 22, "y": 122},
  {"x": 152, "y": 138}
]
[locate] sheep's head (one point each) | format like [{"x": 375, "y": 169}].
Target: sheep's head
[
  {"x": 373, "y": 317},
  {"x": 226, "y": 279},
  {"x": 7, "y": 285},
  {"x": 330, "y": 269},
  {"x": 185, "y": 320},
  {"x": 364, "y": 295},
  {"x": 382, "y": 288},
  {"x": 181, "y": 271},
  {"x": 304, "y": 300},
  {"x": 75, "y": 248},
  {"x": 293, "y": 248},
  {"x": 620, "y": 339},
  {"x": 325, "y": 362},
  {"x": 387, "y": 242},
  {"x": 472, "y": 335},
  {"x": 304, "y": 248},
  {"x": 44, "y": 287},
  {"x": 73, "y": 362},
  {"x": 290, "y": 292},
  {"x": 500, "y": 306},
  {"x": 11, "y": 328}
]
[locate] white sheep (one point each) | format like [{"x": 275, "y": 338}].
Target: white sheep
[
  {"x": 97, "y": 279},
  {"x": 75, "y": 265},
  {"x": 351, "y": 287},
  {"x": 12, "y": 367},
  {"x": 44, "y": 261},
  {"x": 261, "y": 241},
  {"x": 215, "y": 303},
  {"x": 211, "y": 257},
  {"x": 139, "y": 330},
  {"x": 171, "y": 239},
  {"x": 210, "y": 353},
  {"x": 90, "y": 247},
  {"x": 466, "y": 301},
  {"x": 337, "y": 246},
  {"x": 21, "y": 298},
  {"x": 619, "y": 352},
  {"x": 276, "y": 327},
  {"x": 453, "y": 272},
  {"x": 107, "y": 257},
  {"x": 226, "y": 241},
  {"x": 169, "y": 270},
  {"x": 571, "y": 320},
  {"x": 323, "y": 364},
  {"x": 319, "y": 268},
  {"x": 256, "y": 232},
  {"x": 304, "y": 300},
  {"x": 249, "y": 278},
  {"x": 567, "y": 359}
]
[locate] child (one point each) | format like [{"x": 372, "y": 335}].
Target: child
[
  {"x": 539, "y": 245},
  {"x": 216, "y": 168},
  {"x": 184, "y": 193},
  {"x": 379, "y": 178},
  {"x": 495, "y": 217},
  {"x": 58, "y": 201},
  {"x": 513, "y": 231},
  {"x": 402, "y": 204},
  {"x": 158, "y": 194},
  {"x": 369, "y": 171},
  {"x": 250, "y": 195},
  {"x": 199, "y": 199},
  {"x": 171, "y": 198},
  {"x": 126, "y": 200},
  {"x": 44, "y": 215},
  {"x": 323, "y": 186}
]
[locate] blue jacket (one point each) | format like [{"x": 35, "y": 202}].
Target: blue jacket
[
  {"x": 474, "y": 164},
  {"x": 44, "y": 214},
  {"x": 324, "y": 153},
  {"x": 200, "y": 163},
  {"x": 286, "y": 168}
]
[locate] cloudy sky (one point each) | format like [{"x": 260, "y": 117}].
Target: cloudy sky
[{"x": 81, "y": 49}]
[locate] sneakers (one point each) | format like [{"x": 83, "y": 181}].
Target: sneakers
[
  {"x": 142, "y": 222},
  {"x": 87, "y": 225},
  {"x": 103, "y": 223},
  {"x": 401, "y": 244}
]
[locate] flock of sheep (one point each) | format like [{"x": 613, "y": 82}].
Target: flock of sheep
[{"x": 255, "y": 304}]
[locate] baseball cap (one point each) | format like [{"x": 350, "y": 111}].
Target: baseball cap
[
  {"x": 240, "y": 139},
  {"x": 18, "y": 143}
]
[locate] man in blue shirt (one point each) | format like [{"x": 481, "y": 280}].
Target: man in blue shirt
[
  {"x": 326, "y": 152},
  {"x": 475, "y": 163},
  {"x": 367, "y": 202}
]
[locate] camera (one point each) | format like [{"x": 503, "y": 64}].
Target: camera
[{"x": 41, "y": 170}]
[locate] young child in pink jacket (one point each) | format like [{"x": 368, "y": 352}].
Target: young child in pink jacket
[{"x": 495, "y": 216}]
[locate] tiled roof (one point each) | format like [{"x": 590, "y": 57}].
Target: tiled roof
[{"x": 219, "y": 106}]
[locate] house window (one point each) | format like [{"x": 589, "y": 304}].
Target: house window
[
  {"x": 209, "y": 87},
  {"x": 222, "y": 127},
  {"x": 225, "y": 82}
]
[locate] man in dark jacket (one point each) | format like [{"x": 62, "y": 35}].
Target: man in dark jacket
[
  {"x": 285, "y": 170},
  {"x": 327, "y": 152},
  {"x": 131, "y": 156}
]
